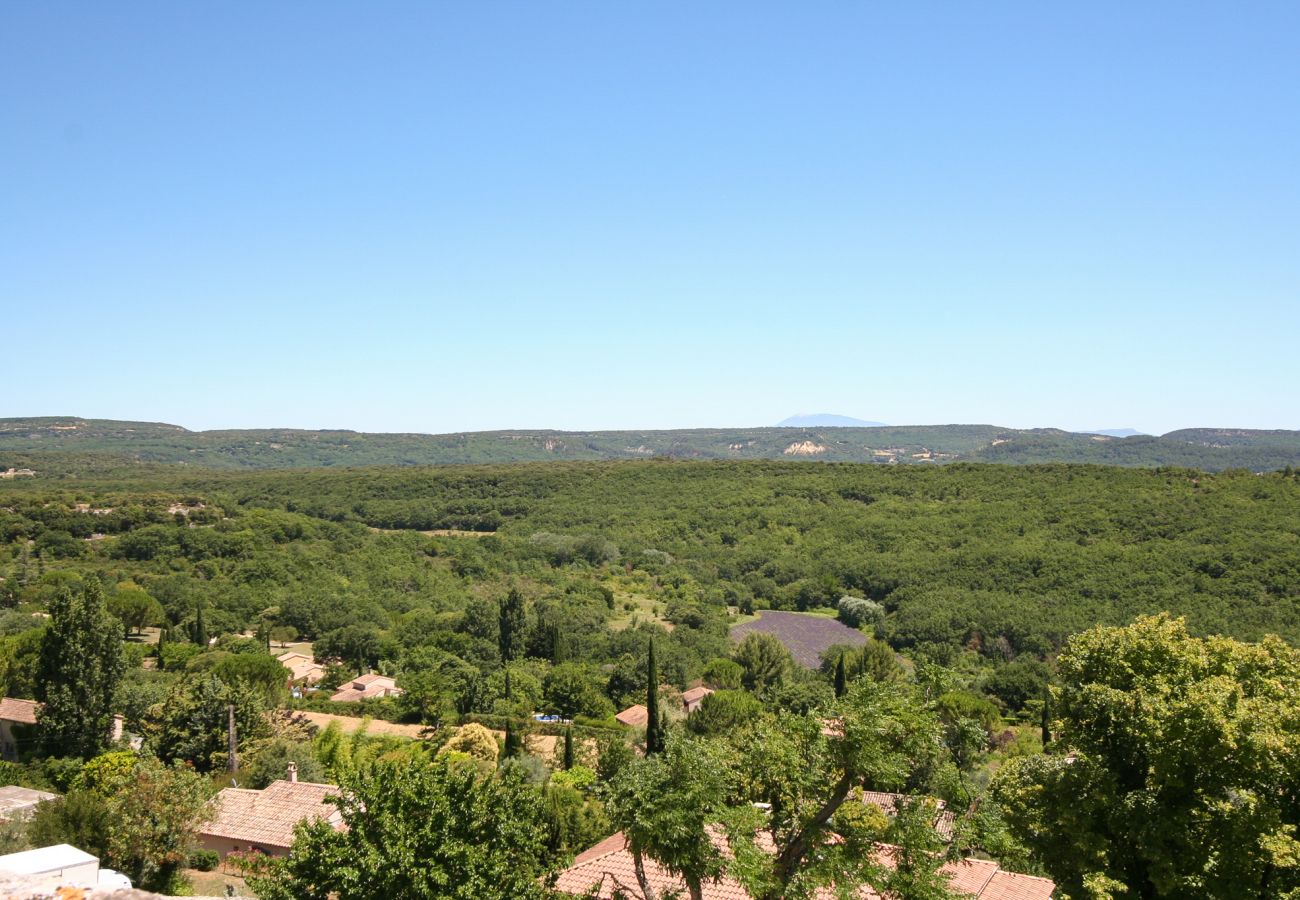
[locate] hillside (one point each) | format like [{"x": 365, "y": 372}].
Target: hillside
[{"x": 42, "y": 444}]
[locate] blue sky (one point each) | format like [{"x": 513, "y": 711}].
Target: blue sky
[{"x": 438, "y": 217}]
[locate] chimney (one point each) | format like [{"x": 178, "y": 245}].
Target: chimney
[
  {"x": 115, "y": 733},
  {"x": 293, "y": 773}
]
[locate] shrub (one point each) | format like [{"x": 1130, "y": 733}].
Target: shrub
[
  {"x": 857, "y": 612},
  {"x": 204, "y": 860}
]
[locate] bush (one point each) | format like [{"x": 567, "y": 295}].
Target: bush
[
  {"x": 857, "y": 612},
  {"x": 204, "y": 860}
]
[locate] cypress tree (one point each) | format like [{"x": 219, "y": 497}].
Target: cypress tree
[
  {"x": 654, "y": 726},
  {"x": 1046, "y": 723},
  {"x": 510, "y": 622},
  {"x": 200, "y": 629},
  {"x": 841, "y": 677},
  {"x": 568, "y": 748},
  {"x": 513, "y": 744},
  {"x": 162, "y": 644},
  {"x": 80, "y": 666}
]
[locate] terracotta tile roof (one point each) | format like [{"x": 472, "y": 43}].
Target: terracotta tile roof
[
  {"x": 1013, "y": 886},
  {"x": 944, "y": 821},
  {"x": 634, "y": 716},
  {"x": 608, "y": 867},
  {"x": 365, "y": 687},
  {"x": 22, "y": 711},
  {"x": 266, "y": 818},
  {"x": 695, "y": 696}
]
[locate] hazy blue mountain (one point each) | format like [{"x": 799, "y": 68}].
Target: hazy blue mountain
[{"x": 826, "y": 420}]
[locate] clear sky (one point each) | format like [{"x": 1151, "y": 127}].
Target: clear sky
[{"x": 441, "y": 217}]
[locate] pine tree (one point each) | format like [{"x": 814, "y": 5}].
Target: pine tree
[
  {"x": 79, "y": 669},
  {"x": 568, "y": 748},
  {"x": 511, "y": 626},
  {"x": 841, "y": 677},
  {"x": 654, "y": 725}
]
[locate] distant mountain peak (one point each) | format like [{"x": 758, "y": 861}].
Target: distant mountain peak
[{"x": 826, "y": 420}]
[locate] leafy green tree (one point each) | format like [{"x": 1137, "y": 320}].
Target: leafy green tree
[
  {"x": 138, "y": 815},
  {"x": 154, "y": 815},
  {"x": 1176, "y": 766},
  {"x": 134, "y": 607},
  {"x": 724, "y": 712},
  {"x": 80, "y": 666},
  {"x": 265, "y": 674},
  {"x": 665, "y": 804},
  {"x": 764, "y": 662},
  {"x": 917, "y": 855},
  {"x": 571, "y": 690},
  {"x": 804, "y": 769},
  {"x": 438, "y": 685},
  {"x": 462, "y": 836},
  {"x": 722, "y": 674},
  {"x": 192, "y": 725},
  {"x": 357, "y": 645}
]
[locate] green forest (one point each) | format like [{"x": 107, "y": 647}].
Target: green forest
[{"x": 576, "y": 589}]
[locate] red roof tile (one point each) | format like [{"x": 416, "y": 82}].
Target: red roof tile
[
  {"x": 267, "y": 817},
  {"x": 608, "y": 867},
  {"x": 21, "y": 711}
]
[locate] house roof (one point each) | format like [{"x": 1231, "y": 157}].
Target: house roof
[
  {"x": 696, "y": 694},
  {"x": 267, "y": 817},
  {"x": 15, "y": 799},
  {"x": 45, "y": 859},
  {"x": 290, "y": 657},
  {"x": 944, "y": 820},
  {"x": 21, "y": 711},
  {"x": 634, "y": 716},
  {"x": 363, "y": 687},
  {"x": 608, "y": 867}
]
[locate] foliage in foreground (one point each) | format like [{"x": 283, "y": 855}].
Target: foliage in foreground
[
  {"x": 421, "y": 828},
  {"x": 1178, "y": 773}
]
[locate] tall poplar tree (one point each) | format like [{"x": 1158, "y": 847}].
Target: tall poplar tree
[
  {"x": 78, "y": 672},
  {"x": 654, "y": 725}
]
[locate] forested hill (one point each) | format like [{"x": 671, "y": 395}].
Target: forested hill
[{"x": 29, "y": 443}]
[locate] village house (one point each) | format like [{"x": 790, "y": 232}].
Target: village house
[
  {"x": 692, "y": 699},
  {"x": 367, "y": 687},
  {"x": 303, "y": 670},
  {"x": 607, "y": 871},
  {"x": 16, "y": 716},
  {"x": 636, "y": 716},
  {"x": 263, "y": 821}
]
